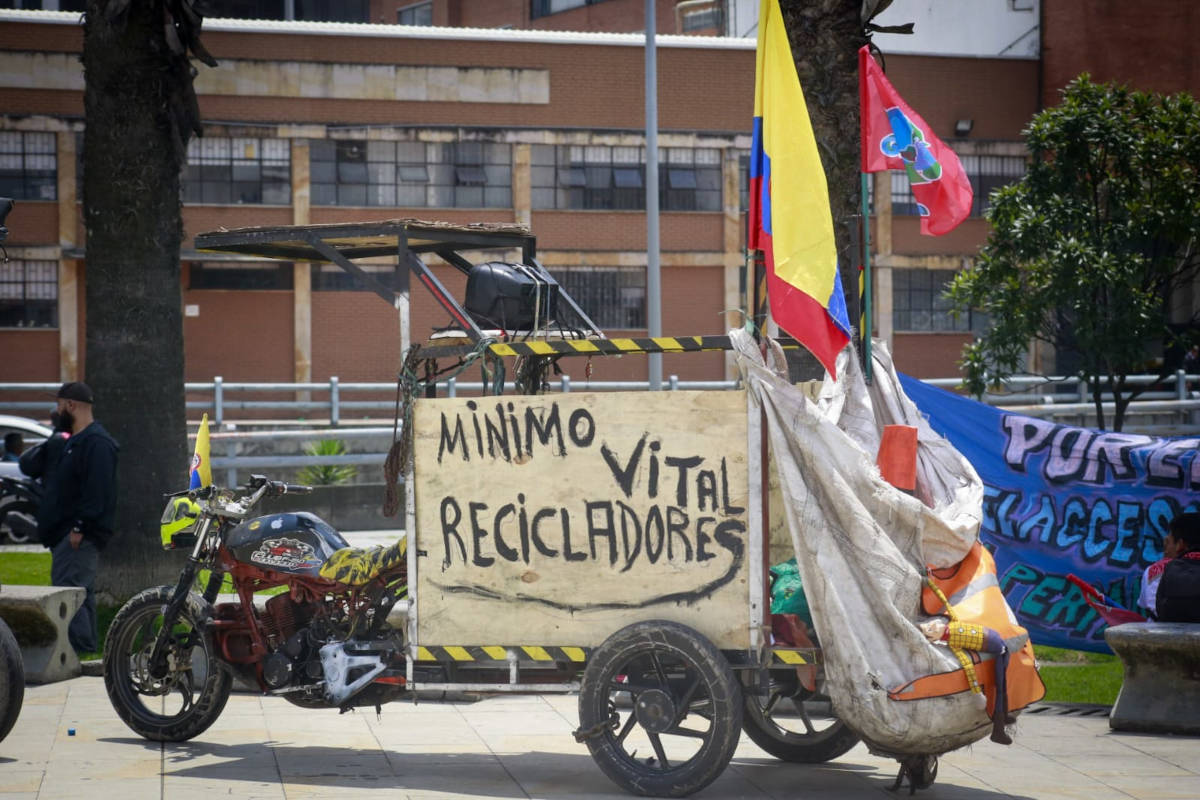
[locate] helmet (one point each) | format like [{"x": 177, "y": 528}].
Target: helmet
[{"x": 179, "y": 522}]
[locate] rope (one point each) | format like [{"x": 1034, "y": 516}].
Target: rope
[{"x": 409, "y": 387}]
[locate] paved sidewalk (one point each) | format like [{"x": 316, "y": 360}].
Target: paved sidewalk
[{"x": 518, "y": 747}]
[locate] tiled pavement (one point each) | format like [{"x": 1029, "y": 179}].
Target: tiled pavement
[{"x": 518, "y": 747}]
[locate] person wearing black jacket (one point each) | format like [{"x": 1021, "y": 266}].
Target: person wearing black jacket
[
  {"x": 39, "y": 461},
  {"x": 1179, "y": 589},
  {"x": 75, "y": 519}
]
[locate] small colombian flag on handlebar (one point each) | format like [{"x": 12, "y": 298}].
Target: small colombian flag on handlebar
[{"x": 201, "y": 468}]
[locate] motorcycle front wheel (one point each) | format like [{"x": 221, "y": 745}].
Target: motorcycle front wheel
[{"x": 185, "y": 701}]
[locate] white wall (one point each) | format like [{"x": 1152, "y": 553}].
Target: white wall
[{"x": 980, "y": 28}]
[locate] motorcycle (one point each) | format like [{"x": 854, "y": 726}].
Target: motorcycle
[
  {"x": 172, "y": 652},
  {"x": 12, "y": 680},
  {"x": 19, "y": 501}
]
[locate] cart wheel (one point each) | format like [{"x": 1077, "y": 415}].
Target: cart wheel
[
  {"x": 792, "y": 723},
  {"x": 682, "y": 725}
]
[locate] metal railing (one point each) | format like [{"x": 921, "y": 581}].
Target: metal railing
[
  {"x": 330, "y": 396},
  {"x": 1178, "y": 402}
]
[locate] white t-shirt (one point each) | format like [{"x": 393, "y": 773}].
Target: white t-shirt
[{"x": 1148, "y": 597}]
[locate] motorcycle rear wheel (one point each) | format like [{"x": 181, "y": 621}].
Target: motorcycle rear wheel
[
  {"x": 7, "y": 532},
  {"x": 191, "y": 696},
  {"x": 12, "y": 680}
]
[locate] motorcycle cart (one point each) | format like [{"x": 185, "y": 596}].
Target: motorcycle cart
[{"x": 611, "y": 544}]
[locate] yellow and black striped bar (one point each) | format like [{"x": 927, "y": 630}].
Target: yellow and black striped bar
[
  {"x": 594, "y": 347},
  {"x": 527, "y": 653}
]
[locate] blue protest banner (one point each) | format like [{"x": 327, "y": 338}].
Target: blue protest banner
[{"x": 1061, "y": 500}]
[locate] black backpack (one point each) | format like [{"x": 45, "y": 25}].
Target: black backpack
[{"x": 1179, "y": 591}]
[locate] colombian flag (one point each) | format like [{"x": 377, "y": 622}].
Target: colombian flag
[
  {"x": 790, "y": 220},
  {"x": 201, "y": 469}
]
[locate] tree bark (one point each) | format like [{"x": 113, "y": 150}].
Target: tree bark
[
  {"x": 131, "y": 197},
  {"x": 825, "y": 36}
]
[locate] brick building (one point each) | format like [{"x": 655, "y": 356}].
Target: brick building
[{"x": 325, "y": 121}]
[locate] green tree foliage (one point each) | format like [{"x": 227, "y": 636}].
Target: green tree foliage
[{"x": 1092, "y": 248}]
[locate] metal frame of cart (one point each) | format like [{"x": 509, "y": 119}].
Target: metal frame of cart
[{"x": 530, "y": 668}]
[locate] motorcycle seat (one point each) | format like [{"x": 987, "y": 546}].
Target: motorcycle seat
[{"x": 357, "y": 566}]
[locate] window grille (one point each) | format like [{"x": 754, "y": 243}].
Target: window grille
[
  {"x": 919, "y": 303},
  {"x": 420, "y": 14},
  {"x": 29, "y": 294},
  {"x": 238, "y": 170},
  {"x": 614, "y": 297},
  {"x": 604, "y": 177},
  {"x": 240, "y": 276},
  {"x": 28, "y": 165},
  {"x": 411, "y": 174}
]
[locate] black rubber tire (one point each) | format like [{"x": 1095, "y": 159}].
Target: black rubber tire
[
  {"x": 786, "y": 745},
  {"x": 12, "y": 680},
  {"x": 703, "y": 666},
  {"x": 119, "y": 677},
  {"x": 6, "y": 533}
]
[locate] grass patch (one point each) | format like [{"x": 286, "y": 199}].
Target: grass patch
[
  {"x": 1060, "y": 655},
  {"x": 1076, "y": 676},
  {"x": 25, "y": 569},
  {"x": 1090, "y": 683}
]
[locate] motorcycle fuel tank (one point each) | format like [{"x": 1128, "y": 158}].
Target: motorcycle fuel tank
[{"x": 294, "y": 543}]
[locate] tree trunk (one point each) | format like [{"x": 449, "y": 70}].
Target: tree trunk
[
  {"x": 134, "y": 303},
  {"x": 825, "y": 36}
]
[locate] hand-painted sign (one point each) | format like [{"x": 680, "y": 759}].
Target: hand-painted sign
[
  {"x": 558, "y": 520},
  {"x": 1061, "y": 500}
]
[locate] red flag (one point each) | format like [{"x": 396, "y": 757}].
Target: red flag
[{"x": 895, "y": 137}]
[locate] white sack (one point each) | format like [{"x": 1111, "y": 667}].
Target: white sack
[{"x": 861, "y": 545}]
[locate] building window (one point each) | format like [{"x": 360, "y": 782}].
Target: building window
[
  {"x": 920, "y": 305},
  {"x": 330, "y": 278},
  {"x": 29, "y": 294},
  {"x": 246, "y": 9},
  {"x": 614, "y": 297},
  {"x": 700, "y": 20},
  {"x": 332, "y": 10},
  {"x": 986, "y": 174},
  {"x": 544, "y": 8},
  {"x": 28, "y": 165},
  {"x": 239, "y": 170},
  {"x": 604, "y": 177},
  {"x": 207, "y": 275},
  {"x": 411, "y": 174},
  {"x": 420, "y": 14}
]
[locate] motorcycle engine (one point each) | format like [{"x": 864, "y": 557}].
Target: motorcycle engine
[{"x": 283, "y": 621}]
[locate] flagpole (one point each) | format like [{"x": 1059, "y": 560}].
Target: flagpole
[{"x": 865, "y": 333}]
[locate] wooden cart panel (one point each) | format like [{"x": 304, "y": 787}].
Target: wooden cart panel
[{"x": 557, "y": 520}]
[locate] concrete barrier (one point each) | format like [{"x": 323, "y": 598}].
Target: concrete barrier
[
  {"x": 39, "y": 616},
  {"x": 1161, "y": 692},
  {"x": 354, "y": 507}
]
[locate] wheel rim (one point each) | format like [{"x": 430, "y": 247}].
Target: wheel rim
[
  {"x": 660, "y": 709},
  {"x": 175, "y": 695},
  {"x": 791, "y": 713}
]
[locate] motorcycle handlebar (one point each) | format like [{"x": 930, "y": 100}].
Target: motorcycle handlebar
[{"x": 292, "y": 488}]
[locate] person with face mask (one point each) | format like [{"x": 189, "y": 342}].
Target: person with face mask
[{"x": 75, "y": 518}]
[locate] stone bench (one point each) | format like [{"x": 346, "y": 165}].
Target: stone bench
[
  {"x": 39, "y": 616},
  {"x": 1161, "y": 692}
]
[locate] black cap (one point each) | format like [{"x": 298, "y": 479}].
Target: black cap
[{"x": 78, "y": 391}]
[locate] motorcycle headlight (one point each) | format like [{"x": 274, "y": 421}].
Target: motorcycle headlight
[{"x": 180, "y": 520}]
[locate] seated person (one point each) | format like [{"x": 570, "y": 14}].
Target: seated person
[
  {"x": 1178, "y": 598},
  {"x": 14, "y": 445}
]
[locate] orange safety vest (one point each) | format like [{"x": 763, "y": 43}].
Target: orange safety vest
[{"x": 973, "y": 590}]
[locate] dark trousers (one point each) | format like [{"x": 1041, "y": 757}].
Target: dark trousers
[{"x": 70, "y": 567}]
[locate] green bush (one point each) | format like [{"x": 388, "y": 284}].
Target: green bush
[{"x": 329, "y": 475}]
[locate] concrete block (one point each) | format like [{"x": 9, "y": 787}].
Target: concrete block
[
  {"x": 39, "y": 616},
  {"x": 1161, "y": 692}
]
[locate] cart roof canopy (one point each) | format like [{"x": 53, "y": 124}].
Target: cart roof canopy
[{"x": 355, "y": 240}]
